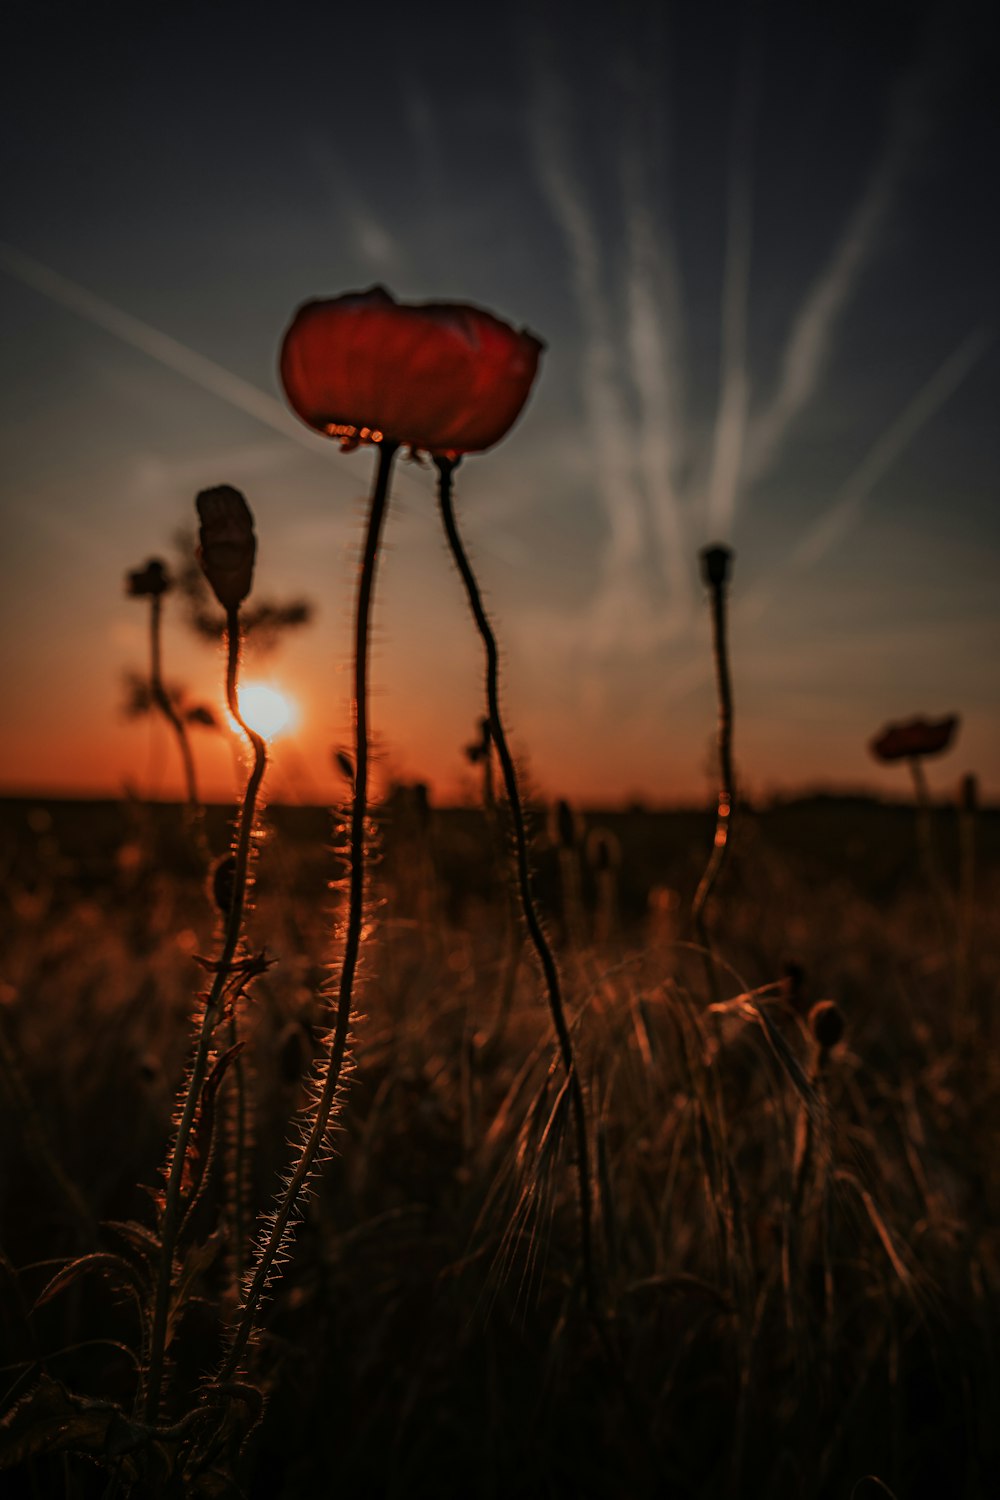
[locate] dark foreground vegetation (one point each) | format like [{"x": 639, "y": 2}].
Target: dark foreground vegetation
[{"x": 798, "y": 1232}]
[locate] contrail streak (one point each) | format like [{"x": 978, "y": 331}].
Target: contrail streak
[
  {"x": 158, "y": 346},
  {"x": 929, "y": 400},
  {"x": 730, "y": 425},
  {"x": 606, "y": 414},
  {"x": 652, "y": 266},
  {"x": 812, "y": 334}
]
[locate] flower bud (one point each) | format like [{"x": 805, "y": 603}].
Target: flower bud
[
  {"x": 565, "y": 825},
  {"x": 148, "y": 582},
  {"x": 716, "y": 563},
  {"x": 224, "y": 883},
  {"x": 227, "y": 544},
  {"x": 826, "y": 1022}
]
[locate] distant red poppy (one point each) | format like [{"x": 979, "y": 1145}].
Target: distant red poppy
[
  {"x": 444, "y": 377},
  {"x": 914, "y": 738}
]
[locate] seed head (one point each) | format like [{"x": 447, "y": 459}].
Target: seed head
[
  {"x": 794, "y": 987},
  {"x": 564, "y": 825},
  {"x": 603, "y": 850},
  {"x": 148, "y": 582},
  {"x": 227, "y": 544},
  {"x": 826, "y": 1022},
  {"x": 914, "y": 739},
  {"x": 223, "y": 883},
  {"x": 716, "y": 565}
]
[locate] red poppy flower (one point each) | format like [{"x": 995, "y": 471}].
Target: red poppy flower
[
  {"x": 441, "y": 376},
  {"x": 914, "y": 738}
]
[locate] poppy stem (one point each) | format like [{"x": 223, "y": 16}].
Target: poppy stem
[
  {"x": 446, "y": 469},
  {"x": 717, "y": 562},
  {"x": 238, "y": 1143},
  {"x": 281, "y": 1221},
  {"x": 172, "y": 1204}
]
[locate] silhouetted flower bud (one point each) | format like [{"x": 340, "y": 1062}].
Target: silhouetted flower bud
[
  {"x": 148, "y": 582},
  {"x": 969, "y": 794},
  {"x": 293, "y": 1052},
  {"x": 716, "y": 564},
  {"x": 203, "y": 715},
  {"x": 826, "y": 1022},
  {"x": 603, "y": 850},
  {"x": 344, "y": 764},
  {"x": 227, "y": 544},
  {"x": 223, "y": 883},
  {"x": 421, "y": 803},
  {"x": 564, "y": 823},
  {"x": 914, "y": 738},
  {"x": 794, "y": 987},
  {"x": 480, "y": 749}
]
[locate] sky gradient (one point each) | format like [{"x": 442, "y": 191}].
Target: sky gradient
[{"x": 762, "y": 256}]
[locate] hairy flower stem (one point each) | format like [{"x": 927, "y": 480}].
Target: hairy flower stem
[
  {"x": 724, "y": 812},
  {"x": 446, "y": 469},
  {"x": 239, "y": 1134},
  {"x": 172, "y": 1206},
  {"x": 313, "y": 1145},
  {"x": 163, "y": 702}
]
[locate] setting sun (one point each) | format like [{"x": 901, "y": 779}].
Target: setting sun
[{"x": 266, "y": 709}]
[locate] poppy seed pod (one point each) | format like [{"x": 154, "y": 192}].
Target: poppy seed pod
[
  {"x": 826, "y": 1022},
  {"x": 716, "y": 565},
  {"x": 914, "y": 738},
  {"x": 227, "y": 544},
  {"x": 445, "y": 377},
  {"x": 565, "y": 825},
  {"x": 148, "y": 582},
  {"x": 224, "y": 883}
]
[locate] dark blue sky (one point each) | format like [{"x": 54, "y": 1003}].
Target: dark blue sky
[{"x": 760, "y": 243}]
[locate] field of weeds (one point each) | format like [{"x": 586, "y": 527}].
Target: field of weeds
[{"x": 795, "y": 1258}]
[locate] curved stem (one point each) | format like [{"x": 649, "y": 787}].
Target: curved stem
[
  {"x": 303, "y": 1169},
  {"x": 239, "y": 1142},
  {"x": 724, "y": 812},
  {"x": 172, "y": 1200},
  {"x": 446, "y": 468}
]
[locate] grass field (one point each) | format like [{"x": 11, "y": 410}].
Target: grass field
[{"x": 797, "y": 1245}]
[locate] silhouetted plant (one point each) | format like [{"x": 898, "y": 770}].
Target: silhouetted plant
[
  {"x": 716, "y": 564},
  {"x": 446, "y": 467},
  {"x": 914, "y": 741},
  {"x": 152, "y": 582},
  {"x": 227, "y": 553},
  {"x": 265, "y": 623}
]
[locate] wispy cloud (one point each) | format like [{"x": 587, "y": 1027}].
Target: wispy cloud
[
  {"x": 607, "y": 416},
  {"x": 813, "y": 332},
  {"x": 731, "y": 418},
  {"x": 158, "y": 346},
  {"x": 653, "y": 330},
  {"x": 845, "y": 509}
]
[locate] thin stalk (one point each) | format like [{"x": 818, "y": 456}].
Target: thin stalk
[
  {"x": 724, "y": 810},
  {"x": 171, "y": 1219},
  {"x": 312, "y": 1147},
  {"x": 163, "y": 702},
  {"x": 239, "y": 1141},
  {"x": 446, "y": 468}
]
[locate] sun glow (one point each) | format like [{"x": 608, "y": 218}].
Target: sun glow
[{"x": 266, "y": 709}]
